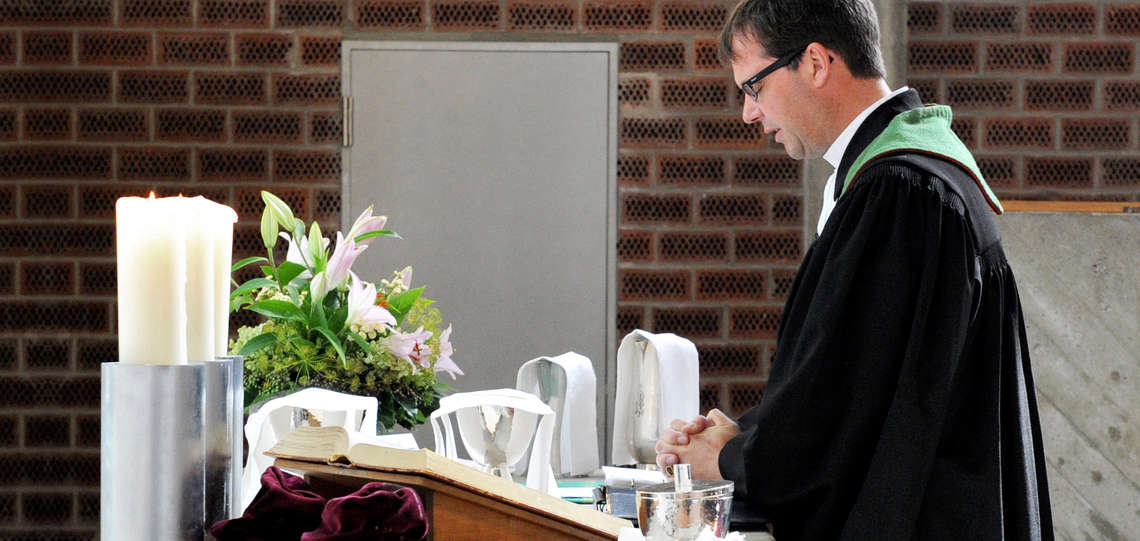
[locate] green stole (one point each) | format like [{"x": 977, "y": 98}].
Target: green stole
[{"x": 925, "y": 130}]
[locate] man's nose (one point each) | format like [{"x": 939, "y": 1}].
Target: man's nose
[{"x": 750, "y": 111}]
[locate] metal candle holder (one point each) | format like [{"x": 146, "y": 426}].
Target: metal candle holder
[{"x": 170, "y": 459}]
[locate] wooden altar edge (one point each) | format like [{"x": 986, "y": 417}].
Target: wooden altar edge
[
  {"x": 464, "y": 506},
  {"x": 1102, "y": 207}
]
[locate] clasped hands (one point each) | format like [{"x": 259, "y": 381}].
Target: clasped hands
[{"x": 697, "y": 442}]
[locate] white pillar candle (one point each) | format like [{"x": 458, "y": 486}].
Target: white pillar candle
[
  {"x": 199, "y": 216},
  {"x": 223, "y": 236},
  {"x": 150, "y": 244}
]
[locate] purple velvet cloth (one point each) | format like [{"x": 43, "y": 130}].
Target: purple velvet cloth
[
  {"x": 378, "y": 511},
  {"x": 283, "y": 509}
]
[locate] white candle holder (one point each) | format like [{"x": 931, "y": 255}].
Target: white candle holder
[{"x": 171, "y": 449}]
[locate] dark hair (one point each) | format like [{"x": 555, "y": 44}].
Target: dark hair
[{"x": 848, "y": 27}]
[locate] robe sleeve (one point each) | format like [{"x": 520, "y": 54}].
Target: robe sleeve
[{"x": 869, "y": 345}]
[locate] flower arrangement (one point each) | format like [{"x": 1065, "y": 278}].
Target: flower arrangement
[{"x": 327, "y": 327}]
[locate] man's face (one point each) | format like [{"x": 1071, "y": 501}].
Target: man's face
[{"x": 783, "y": 99}]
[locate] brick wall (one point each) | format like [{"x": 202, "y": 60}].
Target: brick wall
[
  {"x": 1045, "y": 94},
  {"x": 104, "y": 98}
]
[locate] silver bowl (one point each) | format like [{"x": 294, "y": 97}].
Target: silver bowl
[{"x": 680, "y": 510}]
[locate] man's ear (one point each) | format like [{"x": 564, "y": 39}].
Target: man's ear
[{"x": 821, "y": 63}]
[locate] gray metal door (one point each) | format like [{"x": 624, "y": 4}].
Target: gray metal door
[{"x": 496, "y": 163}]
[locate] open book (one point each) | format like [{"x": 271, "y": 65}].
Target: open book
[{"x": 334, "y": 445}]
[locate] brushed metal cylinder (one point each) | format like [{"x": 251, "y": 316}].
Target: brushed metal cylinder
[
  {"x": 152, "y": 452},
  {"x": 222, "y": 422}
]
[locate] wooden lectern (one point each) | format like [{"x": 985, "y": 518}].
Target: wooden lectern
[{"x": 472, "y": 506}]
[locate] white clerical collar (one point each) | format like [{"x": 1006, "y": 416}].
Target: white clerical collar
[{"x": 835, "y": 152}]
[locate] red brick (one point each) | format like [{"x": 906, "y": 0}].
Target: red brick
[
  {"x": 48, "y": 201},
  {"x": 936, "y": 56},
  {"x": 1059, "y": 172},
  {"x": 736, "y": 209},
  {"x": 652, "y": 56},
  {"x": 310, "y": 13},
  {"x": 691, "y": 170},
  {"x": 927, "y": 90},
  {"x": 97, "y": 279},
  {"x": 326, "y": 205},
  {"x": 1122, "y": 172},
  {"x": 542, "y": 15},
  {"x": 465, "y": 15},
  {"x": 99, "y": 201},
  {"x": 50, "y": 162},
  {"x": 999, "y": 171},
  {"x": 966, "y": 129},
  {"x": 250, "y": 205},
  {"x": 47, "y": 47},
  {"x": 703, "y": 93},
  {"x": 710, "y": 394},
  {"x": 770, "y": 246},
  {"x": 705, "y": 56},
  {"x": 1062, "y": 19},
  {"x": 754, "y": 322},
  {"x": 46, "y": 354},
  {"x": 730, "y": 284},
  {"x": 55, "y": 86},
  {"x": 306, "y": 89},
  {"x": 87, "y": 13},
  {"x": 1106, "y": 57},
  {"x": 197, "y": 48},
  {"x": 267, "y": 127},
  {"x": 1096, "y": 133},
  {"x": 980, "y": 93},
  {"x": 154, "y": 86},
  {"x": 7, "y": 208},
  {"x": 633, "y": 92},
  {"x": 693, "y": 246},
  {"x": 47, "y": 508},
  {"x": 617, "y": 15},
  {"x": 8, "y": 42},
  {"x": 742, "y": 396},
  {"x": 1019, "y": 57},
  {"x": 693, "y": 16},
  {"x": 782, "y": 281},
  {"x": 115, "y": 48},
  {"x": 653, "y": 285},
  {"x": 47, "y": 278},
  {"x": 230, "y": 88},
  {"x": 629, "y": 318},
  {"x": 113, "y": 125},
  {"x": 198, "y": 124},
  {"x": 1018, "y": 133},
  {"x": 731, "y": 360},
  {"x": 264, "y": 49},
  {"x": 324, "y": 127},
  {"x": 1122, "y": 20},
  {"x": 55, "y": 316},
  {"x": 688, "y": 322},
  {"x": 245, "y": 165},
  {"x": 650, "y": 208},
  {"x": 923, "y": 17},
  {"x": 635, "y": 245},
  {"x": 633, "y": 169},
  {"x": 729, "y": 132},
  {"x": 156, "y": 13},
  {"x": 47, "y": 124},
  {"x": 390, "y": 14},
  {"x": 787, "y": 210},
  {"x": 1059, "y": 95},
  {"x": 320, "y": 50},
  {"x": 306, "y": 166},
  {"x": 163, "y": 163},
  {"x": 982, "y": 18},
  {"x": 653, "y": 132},
  {"x": 52, "y": 239},
  {"x": 1121, "y": 95},
  {"x": 233, "y": 13},
  {"x": 770, "y": 171}
]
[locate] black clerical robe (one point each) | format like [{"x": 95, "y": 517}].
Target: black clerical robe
[{"x": 900, "y": 404}]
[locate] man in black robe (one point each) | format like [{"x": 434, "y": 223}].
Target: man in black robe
[{"x": 900, "y": 404}]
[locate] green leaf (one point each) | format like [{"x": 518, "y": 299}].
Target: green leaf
[
  {"x": 336, "y": 322},
  {"x": 268, "y": 229},
  {"x": 267, "y": 270},
  {"x": 294, "y": 293},
  {"x": 258, "y": 342},
  {"x": 335, "y": 343},
  {"x": 280, "y": 210},
  {"x": 248, "y": 261},
  {"x": 251, "y": 284},
  {"x": 289, "y": 270},
  {"x": 298, "y": 228},
  {"x": 360, "y": 341},
  {"x": 316, "y": 247},
  {"x": 440, "y": 387},
  {"x": 404, "y": 301},
  {"x": 380, "y": 233},
  {"x": 237, "y": 302},
  {"x": 279, "y": 309}
]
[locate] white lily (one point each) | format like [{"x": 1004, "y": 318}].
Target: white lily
[
  {"x": 444, "y": 362},
  {"x": 341, "y": 260},
  {"x": 362, "y": 309},
  {"x": 366, "y": 223},
  {"x": 410, "y": 347}
]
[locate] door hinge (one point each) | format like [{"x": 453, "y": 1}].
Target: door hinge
[{"x": 346, "y": 121}]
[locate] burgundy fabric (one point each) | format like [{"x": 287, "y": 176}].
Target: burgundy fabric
[
  {"x": 376, "y": 511},
  {"x": 283, "y": 509}
]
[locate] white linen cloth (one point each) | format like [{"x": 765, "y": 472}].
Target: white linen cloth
[
  {"x": 578, "y": 434},
  {"x": 275, "y": 420},
  {"x": 676, "y": 359},
  {"x": 528, "y": 411}
]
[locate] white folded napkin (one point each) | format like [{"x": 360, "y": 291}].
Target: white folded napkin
[
  {"x": 578, "y": 434},
  {"x": 679, "y": 374}
]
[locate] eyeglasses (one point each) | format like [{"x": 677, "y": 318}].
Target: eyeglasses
[{"x": 749, "y": 86}]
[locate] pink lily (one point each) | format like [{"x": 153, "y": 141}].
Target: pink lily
[
  {"x": 444, "y": 362},
  {"x": 366, "y": 223},
  {"x": 362, "y": 309},
  {"x": 336, "y": 272},
  {"x": 410, "y": 347}
]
